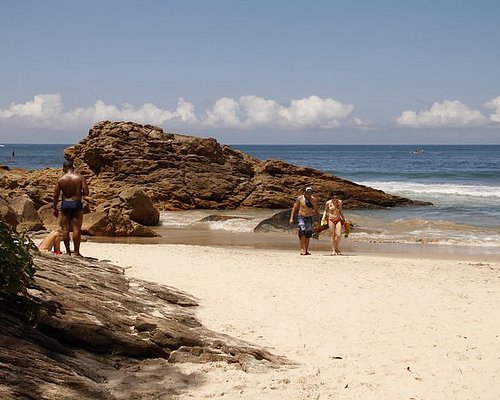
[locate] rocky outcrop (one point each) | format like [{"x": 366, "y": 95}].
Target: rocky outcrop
[
  {"x": 27, "y": 191},
  {"x": 124, "y": 215},
  {"x": 85, "y": 321},
  {"x": 24, "y": 207},
  {"x": 140, "y": 206},
  {"x": 279, "y": 222},
  {"x": 7, "y": 213},
  {"x": 30, "y": 206},
  {"x": 184, "y": 172},
  {"x": 46, "y": 215},
  {"x": 166, "y": 171}
]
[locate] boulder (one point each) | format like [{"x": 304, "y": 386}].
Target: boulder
[
  {"x": 31, "y": 226},
  {"x": 25, "y": 208},
  {"x": 141, "y": 231},
  {"x": 7, "y": 213},
  {"x": 46, "y": 214},
  {"x": 141, "y": 207},
  {"x": 279, "y": 222},
  {"x": 27, "y": 214},
  {"x": 113, "y": 221},
  {"x": 97, "y": 224}
]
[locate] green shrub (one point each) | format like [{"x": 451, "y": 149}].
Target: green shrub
[{"x": 16, "y": 261}]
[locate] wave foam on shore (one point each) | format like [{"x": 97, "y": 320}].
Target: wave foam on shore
[{"x": 369, "y": 227}]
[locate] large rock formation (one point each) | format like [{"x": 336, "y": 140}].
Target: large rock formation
[
  {"x": 184, "y": 172},
  {"x": 176, "y": 172},
  {"x": 86, "y": 327}
]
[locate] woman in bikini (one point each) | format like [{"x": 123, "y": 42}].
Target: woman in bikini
[{"x": 335, "y": 217}]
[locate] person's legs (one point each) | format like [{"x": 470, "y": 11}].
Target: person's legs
[
  {"x": 302, "y": 243},
  {"x": 302, "y": 230},
  {"x": 76, "y": 227},
  {"x": 48, "y": 242},
  {"x": 337, "y": 236},
  {"x": 306, "y": 245},
  {"x": 331, "y": 226},
  {"x": 65, "y": 227},
  {"x": 57, "y": 243},
  {"x": 307, "y": 234}
]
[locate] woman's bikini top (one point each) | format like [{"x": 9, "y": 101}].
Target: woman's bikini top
[{"x": 333, "y": 210}]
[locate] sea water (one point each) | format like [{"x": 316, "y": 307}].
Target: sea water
[
  {"x": 32, "y": 156},
  {"x": 462, "y": 181}
]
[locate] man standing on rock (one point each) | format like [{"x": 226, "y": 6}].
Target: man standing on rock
[
  {"x": 73, "y": 187},
  {"x": 306, "y": 206}
]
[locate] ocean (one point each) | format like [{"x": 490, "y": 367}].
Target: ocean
[
  {"x": 32, "y": 156},
  {"x": 462, "y": 181}
]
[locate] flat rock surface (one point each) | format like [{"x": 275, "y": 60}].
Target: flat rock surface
[{"x": 87, "y": 332}]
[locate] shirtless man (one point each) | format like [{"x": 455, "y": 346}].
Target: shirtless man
[
  {"x": 306, "y": 206},
  {"x": 73, "y": 188}
]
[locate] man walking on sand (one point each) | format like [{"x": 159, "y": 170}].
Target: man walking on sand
[
  {"x": 73, "y": 187},
  {"x": 306, "y": 206}
]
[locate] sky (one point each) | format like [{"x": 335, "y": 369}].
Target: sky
[{"x": 253, "y": 72}]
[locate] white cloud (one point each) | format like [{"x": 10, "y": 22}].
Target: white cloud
[
  {"x": 223, "y": 113},
  {"x": 253, "y": 111},
  {"x": 47, "y": 110},
  {"x": 43, "y": 106},
  {"x": 495, "y": 105},
  {"x": 314, "y": 110},
  {"x": 449, "y": 113},
  {"x": 260, "y": 111},
  {"x": 363, "y": 124}
]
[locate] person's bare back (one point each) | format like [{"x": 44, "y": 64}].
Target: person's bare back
[{"x": 73, "y": 187}]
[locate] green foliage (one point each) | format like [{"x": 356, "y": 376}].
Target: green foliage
[{"x": 16, "y": 261}]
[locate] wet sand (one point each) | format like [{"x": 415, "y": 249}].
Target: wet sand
[{"x": 289, "y": 241}]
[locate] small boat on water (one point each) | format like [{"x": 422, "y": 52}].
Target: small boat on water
[
  {"x": 2, "y": 145},
  {"x": 417, "y": 151}
]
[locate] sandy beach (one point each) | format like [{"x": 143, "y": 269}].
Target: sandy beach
[{"x": 359, "y": 326}]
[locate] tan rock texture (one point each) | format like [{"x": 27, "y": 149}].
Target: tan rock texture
[
  {"x": 85, "y": 327},
  {"x": 24, "y": 207},
  {"x": 185, "y": 172}
]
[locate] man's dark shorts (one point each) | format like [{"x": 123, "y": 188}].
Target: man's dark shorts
[
  {"x": 305, "y": 226},
  {"x": 71, "y": 207}
]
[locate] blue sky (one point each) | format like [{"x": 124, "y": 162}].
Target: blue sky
[{"x": 356, "y": 71}]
